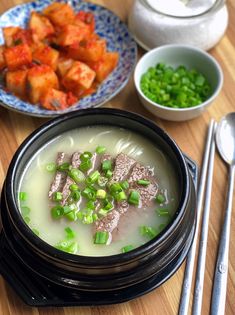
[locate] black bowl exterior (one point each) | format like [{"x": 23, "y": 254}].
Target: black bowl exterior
[{"x": 98, "y": 273}]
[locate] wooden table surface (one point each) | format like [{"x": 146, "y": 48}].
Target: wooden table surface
[{"x": 190, "y": 136}]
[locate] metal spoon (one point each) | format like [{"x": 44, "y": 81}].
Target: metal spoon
[{"x": 225, "y": 140}]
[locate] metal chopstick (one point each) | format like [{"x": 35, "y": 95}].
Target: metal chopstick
[
  {"x": 201, "y": 263},
  {"x": 187, "y": 283}
]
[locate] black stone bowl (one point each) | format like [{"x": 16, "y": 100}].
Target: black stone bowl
[{"x": 43, "y": 275}]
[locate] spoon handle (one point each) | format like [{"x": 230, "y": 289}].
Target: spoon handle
[{"x": 221, "y": 271}]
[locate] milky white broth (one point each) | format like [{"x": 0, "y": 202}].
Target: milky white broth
[{"x": 36, "y": 182}]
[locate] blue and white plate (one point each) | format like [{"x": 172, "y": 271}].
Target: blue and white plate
[{"x": 108, "y": 26}]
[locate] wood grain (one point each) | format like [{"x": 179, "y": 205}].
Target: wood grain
[{"x": 190, "y": 136}]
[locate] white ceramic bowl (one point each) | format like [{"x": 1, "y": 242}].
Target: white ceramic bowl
[{"x": 191, "y": 58}]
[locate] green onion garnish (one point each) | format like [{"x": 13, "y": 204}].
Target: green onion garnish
[
  {"x": 102, "y": 181},
  {"x": 101, "y": 237},
  {"x": 163, "y": 212},
  {"x": 143, "y": 182},
  {"x": 64, "y": 167},
  {"x": 85, "y": 156},
  {"x": 57, "y": 212},
  {"x": 85, "y": 165},
  {"x": 134, "y": 198},
  {"x": 69, "y": 233},
  {"x": 76, "y": 175},
  {"x": 127, "y": 248},
  {"x": 73, "y": 187},
  {"x": 80, "y": 215},
  {"x": 93, "y": 177},
  {"x": 35, "y": 231},
  {"x": 148, "y": 231},
  {"x": 23, "y": 196},
  {"x": 25, "y": 211},
  {"x": 68, "y": 246},
  {"x": 26, "y": 220},
  {"x": 109, "y": 174},
  {"x": 125, "y": 185},
  {"x": 121, "y": 196},
  {"x": 57, "y": 196},
  {"x": 69, "y": 208},
  {"x": 89, "y": 193},
  {"x": 176, "y": 88},
  {"x": 106, "y": 165},
  {"x": 88, "y": 219},
  {"x": 160, "y": 198},
  {"x": 75, "y": 195},
  {"x": 51, "y": 167},
  {"x": 101, "y": 194},
  {"x": 71, "y": 216},
  {"x": 95, "y": 217},
  {"x": 100, "y": 149},
  {"x": 115, "y": 188},
  {"x": 90, "y": 205}
]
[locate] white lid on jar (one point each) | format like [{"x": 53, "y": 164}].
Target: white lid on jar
[{"x": 181, "y": 8}]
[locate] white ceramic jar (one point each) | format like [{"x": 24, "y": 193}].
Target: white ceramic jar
[{"x": 200, "y": 23}]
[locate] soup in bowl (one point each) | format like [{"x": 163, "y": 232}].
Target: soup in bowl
[{"x": 99, "y": 200}]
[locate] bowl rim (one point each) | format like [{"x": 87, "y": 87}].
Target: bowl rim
[
  {"x": 97, "y": 261},
  {"x": 188, "y": 48}
]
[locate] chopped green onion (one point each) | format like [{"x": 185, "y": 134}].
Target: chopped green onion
[
  {"x": 23, "y": 196},
  {"x": 89, "y": 193},
  {"x": 100, "y": 149},
  {"x": 93, "y": 177},
  {"x": 125, "y": 185},
  {"x": 90, "y": 205},
  {"x": 121, "y": 196},
  {"x": 57, "y": 212},
  {"x": 85, "y": 165},
  {"x": 69, "y": 208},
  {"x": 143, "y": 182},
  {"x": 71, "y": 216},
  {"x": 64, "y": 167},
  {"x": 51, "y": 167},
  {"x": 160, "y": 198},
  {"x": 57, "y": 196},
  {"x": 95, "y": 217},
  {"x": 115, "y": 188},
  {"x": 163, "y": 212},
  {"x": 102, "y": 181},
  {"x": 73, "y": 187},
  {"x": 85, "y": 156},
  {"x": 68, "y": 246},
  {"x": 101, "y": 194},
  {"x": 25, "y": 211},
  {"x": 75, "y": 195},
  {"x": 148, "y": 231},
  {"x": 109, "y": 174},
  {"x": 127, "y": 248},
  {"x": 176, "y": 88},
  {"x": 76, "y": 175},
  {"x": 35, "y": 231},
  {"x": 69, "y": 233},
  {"x": 134, "y": 198},
  {"x": 106, "y": 165},
  {"x": 80, "y": 215},
  {"x": 101, "y": 237},
  {"x": 26, "y": 220},
  {"x": 108, "y": 206},
  {"x": 88, "y": 219}
]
